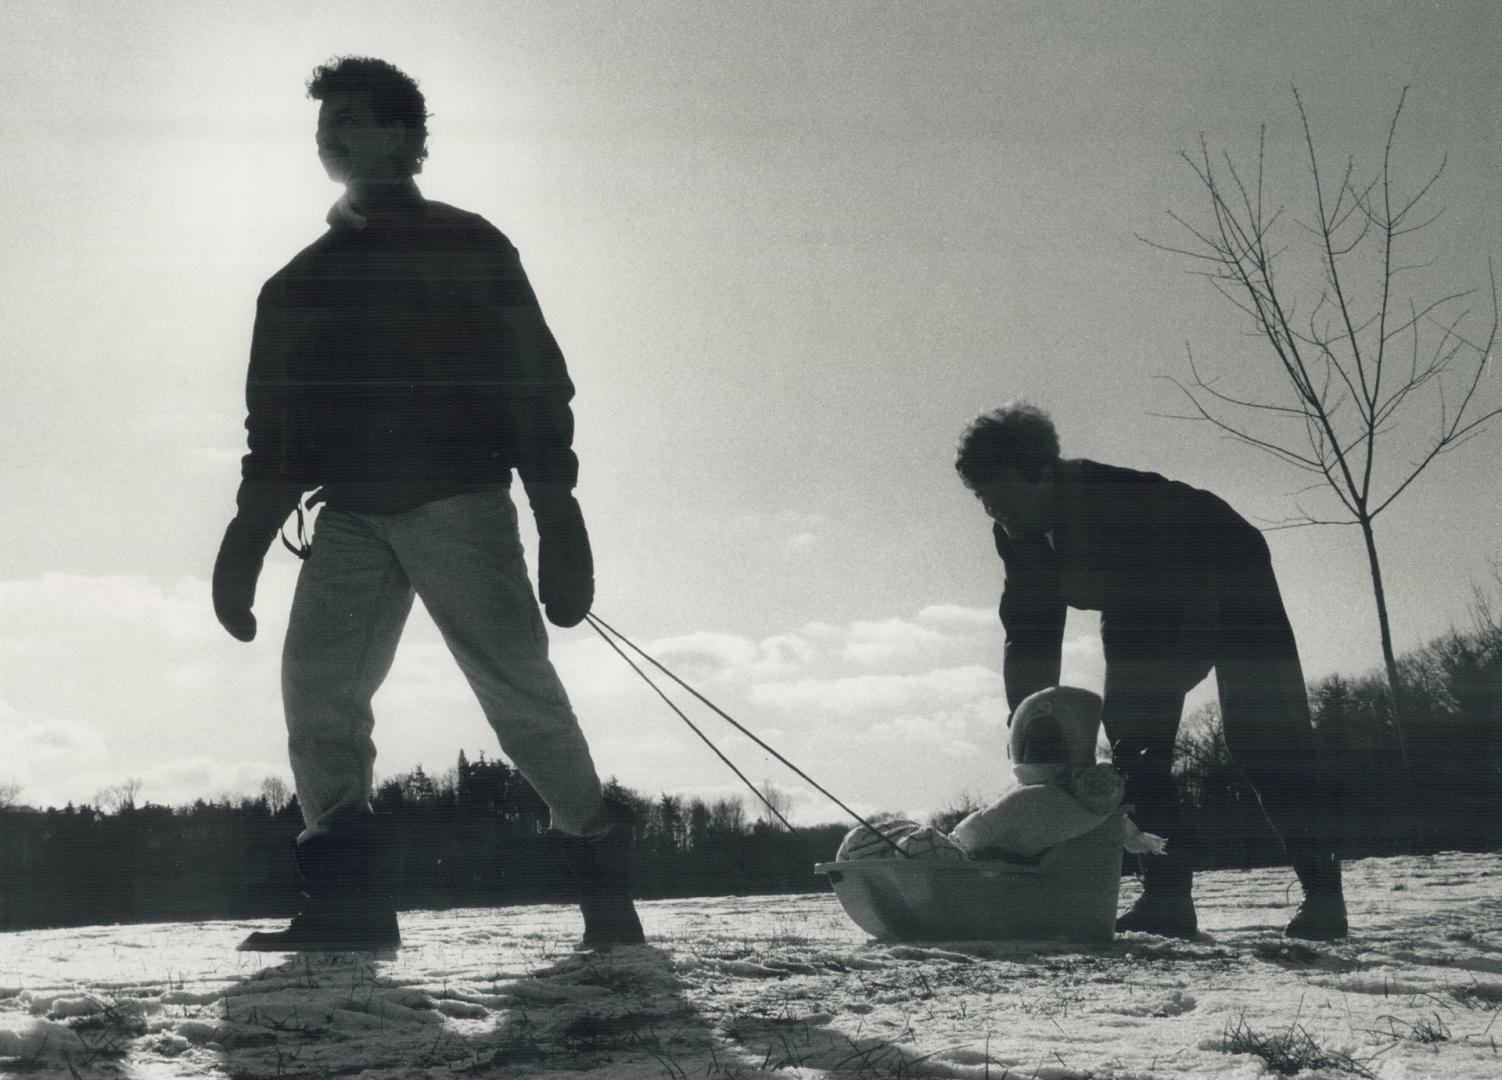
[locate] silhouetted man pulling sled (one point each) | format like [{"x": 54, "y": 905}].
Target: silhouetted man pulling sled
[
  {"x": 1183, "y": 585},
  {"x": 401, "y": 363}
]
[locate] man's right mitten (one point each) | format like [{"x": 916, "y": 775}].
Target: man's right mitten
[
  {"x": 565, "y": 564},
  {"x": 262, "y": 506}
]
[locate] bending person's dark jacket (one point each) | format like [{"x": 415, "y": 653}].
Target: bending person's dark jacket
[
  {"x": 1142, "y": 550},
  {"x": 405, "y": 361}
]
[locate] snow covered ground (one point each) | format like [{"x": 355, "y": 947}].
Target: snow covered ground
[{"x": 786, "y": 987}]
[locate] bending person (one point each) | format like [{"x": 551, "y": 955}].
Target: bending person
[{"x": 1183, "y": 585}]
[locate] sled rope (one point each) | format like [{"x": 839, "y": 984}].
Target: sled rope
[
  {"x": 601, "y": 626},
  {"x": 695, "y": 729}
]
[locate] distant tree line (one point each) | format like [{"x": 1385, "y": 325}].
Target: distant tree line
[{"x": 475, "y": 835}]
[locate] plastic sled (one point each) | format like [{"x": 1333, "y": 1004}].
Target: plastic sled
[{"x": 1070, "y": 892}]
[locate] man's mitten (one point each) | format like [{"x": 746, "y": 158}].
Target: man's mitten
[
  {"x": 262, "y": 506},
  {"x": 565, "y": 565}
]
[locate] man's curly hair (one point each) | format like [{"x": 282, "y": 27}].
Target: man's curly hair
[
  {"x": 1017, "y": 435},
  {"x": 393, "y": 95}
]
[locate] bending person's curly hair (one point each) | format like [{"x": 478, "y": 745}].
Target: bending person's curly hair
[{"x": 1017, "y": 435}]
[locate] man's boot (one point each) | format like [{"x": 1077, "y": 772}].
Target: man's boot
[
  {"x": 1166, "y": 906},
  {"x": 599, "y": 868},
  {"x": 1322, "y": 914},
  {"x": 347, "y": 904}
]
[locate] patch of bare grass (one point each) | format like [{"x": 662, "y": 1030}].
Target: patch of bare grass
[
  {"x": 1289, "y": 1052},
  {"x": 1423, "y": 1030}
]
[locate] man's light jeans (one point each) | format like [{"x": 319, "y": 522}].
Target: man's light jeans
[{"x": 463, "y": 556}]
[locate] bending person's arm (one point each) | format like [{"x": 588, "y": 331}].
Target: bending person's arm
[{"x": 1032, "y": 614}]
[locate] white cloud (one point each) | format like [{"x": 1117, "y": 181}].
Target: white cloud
[
  {"x": 108, "y": 676},
  {"x": 848, "y": 695},
  {"x": 704, "y": 655},
  {"x": 895, "y": 713},
  {"x": 931, "y": 730},
  {"x": 115, "y": 677},
  {"x": 769, "y": 734},
  {"x": 784, "y": 653},
  {"x": 589, "y": 668},
  {"x": 791, "y": 532},
  {"x": 54, "y": 602},
  {"x": 35, "y": 743},
  {"x": 57, "y": 761},
  {"x": 959, "y": 617},
  {"x": 878, "y": 709},
  {"x": 929, "y": 640},
  {"x": 874, "y": 642},
  {"x": 168, "y": 783}
]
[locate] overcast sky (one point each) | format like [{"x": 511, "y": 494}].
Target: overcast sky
[{"x": 789, "y": 249}]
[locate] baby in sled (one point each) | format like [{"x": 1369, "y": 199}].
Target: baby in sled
[{"x": 1062, "y": 793}]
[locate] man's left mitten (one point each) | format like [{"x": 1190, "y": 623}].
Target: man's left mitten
[{"x": 565, "y": 564}]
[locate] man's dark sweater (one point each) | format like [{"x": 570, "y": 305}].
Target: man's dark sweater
[{"x": 402, "y": 359}]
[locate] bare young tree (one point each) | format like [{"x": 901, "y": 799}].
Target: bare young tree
[
  {"x": 10, "y": 792},
  {"x": 276, "y": 793},
  {"x": 776, "y": 802},
  {"x": 1354, "y": 346},
  {"x": 118, "y": 798}
]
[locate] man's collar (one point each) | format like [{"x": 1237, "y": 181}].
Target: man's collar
[{"x": 378, "y": 203}]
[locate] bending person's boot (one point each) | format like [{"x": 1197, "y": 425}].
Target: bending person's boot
[
  {"x": 1166, "y": 906},
  {"x": 599, "y": 868},
  {"x": 1322, "y": 913},
  {"x": 347, "y": 903}
]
